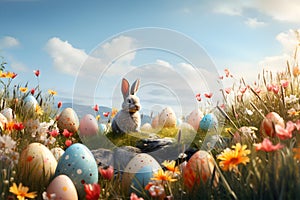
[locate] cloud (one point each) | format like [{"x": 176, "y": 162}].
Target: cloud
[
  {"x": 254, "y": 23},
  {"x": 232, "y": 8},
  {"x": 163, "y": 63},
  {"x": 289, "y": 40},
  {"x": 8, "y": 42}
]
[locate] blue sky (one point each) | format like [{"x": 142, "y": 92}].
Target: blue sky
[{"x": 57, "y": 37}]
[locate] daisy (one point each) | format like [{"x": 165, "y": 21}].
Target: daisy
[{"x": 21, "y": 192}]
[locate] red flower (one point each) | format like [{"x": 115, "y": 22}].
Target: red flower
[
  {"x": 227, "y": 90},
  {"x": 284, "y": 83},
  {"x": 198, "y": 97},
  {"x": 227, "y": 73},
  {"x": 54, "y": 133},
  {"x": 32, "y": 91},
  {"x": 269, "y": 87},
  {"x": 208, "y": 95},
  {"x": 18, "y": 126},
  {"x": 92, "y": 191},
  {"x": 243, "y": 89},
  {"x": 59, "y": 104},
  {"x": 275, "y": 89},
  {"x": 106, "y": 114},
  {"x": 106, "y": 172},
  {"x": 257, "y": 90},
  {"x": 36, "y": 72},
  {"x": 67, "y": 134},
  {"x": 133, "y": 196},
  {"x": 221, "y": 77},
  {"x": 267, "y": 146},
  {"x": 96, "y": 108},
  {"x": 285, "y": 133},
  {"x": 68, "y": 142},
  {"x": 13, "y": 75}
]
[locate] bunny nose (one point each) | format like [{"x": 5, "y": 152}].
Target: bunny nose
[{"x": 137, "y": 107}]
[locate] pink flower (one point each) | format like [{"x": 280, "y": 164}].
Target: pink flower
[
  {"x": 284, "y": 83},
  {"x": 269, "y": 87},
  {"x": 227, "y": 73},
  {"x": 54, "y": 133},
  {"x": 267, "y": 146},
  {"x": 133, "y": 196},
  {"x": 68, "y": 143},
  {"x": 96, "y": 108},
  {"x": 208, "y": 95},
  {"x": 106, "y": 172},
  {"x": 243, "y": 89},
  {"x": 257, "y": 90},
  {"x": 275, "y": 89},
  {"x": 285, "y": 133},
  {"x": 67, "y": 134},
  {"x": 221, "y": 77},
  {"x": 92, "y": 191},
  {"x": 227, "y": 90},
  {"x": 198, "y": 97}
]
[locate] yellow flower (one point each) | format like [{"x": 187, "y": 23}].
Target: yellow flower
[
  {"x": 23, "y": 89},
  {"x": 163, "y": 176},
  {"x": 98, "y": 117},
  {"x": 39, "y": 110},
  {"x": 52, "y": 92},
  {"x": 231, "y": 158},
  {"x": 170, "y": 165},
  {"x": 22, "y": 192},
  {"x": 114, "y": 111}
]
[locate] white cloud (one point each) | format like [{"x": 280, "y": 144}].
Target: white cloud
[
  {"x": 289, "y": 40},
  {"x": 228, "y": 8},
  {"x": 254, "y": 23},
  {"x": 163, "y": 63},
  {"x": 8, "y": 42}
]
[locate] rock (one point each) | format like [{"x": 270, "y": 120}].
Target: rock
[
  {"x": 153, "y": 144},
  {"x": 103, "y": 157},
  {"x": 123, "y": 155}
]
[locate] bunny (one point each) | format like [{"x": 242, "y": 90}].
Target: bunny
[{"x": 128, "y": 119}]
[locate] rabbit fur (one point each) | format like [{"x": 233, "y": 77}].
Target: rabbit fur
[{"x": 128, "y": 119}]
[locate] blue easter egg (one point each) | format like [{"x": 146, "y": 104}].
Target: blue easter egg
[
  {"x": 208, "y": 121},
  {"x": 30, "y": 102},
  {"x": 102, "y": 128},
  {"x": 79, "y": 165}
]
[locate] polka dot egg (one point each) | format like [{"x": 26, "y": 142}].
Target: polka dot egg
[
  {"x": 63, "y": 188},
  {"x": 68, "y": 119},
  {"x": 88, "y": 126},
  {"x": 167, "y": 118},
  {"x": 208, "y": 122},
  {"x": 138, "y": 172},
  {"x": 79, "y": 165}
]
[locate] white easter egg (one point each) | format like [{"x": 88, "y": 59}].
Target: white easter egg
[
  {"x": 63, "y": 188},
  {"x": 88, "y": 126},
  {"x": 30, "y": 102},
  {"x": 194, "y": 118},
  {"x": 8, "y": 113},
  {"x": 68, "y": 119},
  {"x": 167, "y": 118},
  {"x": 146, "y": 127}
]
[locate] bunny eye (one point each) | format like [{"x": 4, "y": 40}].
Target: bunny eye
[{"x": 129, "y": 100}]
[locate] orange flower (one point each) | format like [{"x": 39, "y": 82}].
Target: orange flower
[
  {"x": 22, "y": 192},
  {"x": 23, "y": 89},
  {"x": 161, "y": 175},
  {"x": 114, "y": 111},
  {"x": 39, "y": 110},
  {"x": 9, "y": 126},
  {"x": 52, "y": 92},
  {"x": 170, "y": 165}
]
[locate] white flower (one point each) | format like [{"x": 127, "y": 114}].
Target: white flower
[
  {"x": 47, "y": 196},
  {"x": 291, "y": 99},
  {"x": 7, "y": 143},
  {"x": 249, "y": 112}
]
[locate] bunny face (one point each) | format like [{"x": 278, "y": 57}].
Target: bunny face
[{"x": 131, "y": 104}]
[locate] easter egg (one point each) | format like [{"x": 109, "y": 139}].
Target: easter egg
[
  {"x": 8, "y": 113},
  {"x": 79, "y": 165},
  {"x": 194, "y": 118},
  {"x": 37, "y": 166},
  {"x": 146, "y": 127},
  {"x": 3, "y": 121},
  {"x": 208, "y": 122},
  {"x": 199, "y": 170},
  {"x": 30, "y": 102},
  {"x": 267, "y": 124},
  {"x": 154, "y": 122},
  {"x": 68, "y": 119},
  {"x": 57, "y": 152},
  {"x": 63, "y": 188},
  {"x": 138, "y": 172},
  {"x": 102, "y": 128},
  {"x": 167, "y": 118},
  {"x": 88, "y": 126}
]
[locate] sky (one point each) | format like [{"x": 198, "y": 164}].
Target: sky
[{"x": 177, "y": 48}]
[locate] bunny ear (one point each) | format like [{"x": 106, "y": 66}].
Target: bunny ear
[
  {"x": 135, "y": 87},
  {"x": 125, "y": 88}
]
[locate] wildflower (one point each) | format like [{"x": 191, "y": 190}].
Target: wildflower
[
  {"x": 133, "y": 196},
  {"x": 98, "y": 117},
  {"x": 284, "y": 83},
  {"x": 22, "y": 192},
  {"x": 114, "y": 111},
  {"x": 9, "y": 126},
  {"x": 18, "y": 126},
  {"x": 293, "y": 112},
  {"x": 291, "y": 99},
  {"x": 227, "y": 73},
  {"x": 68, "y": 143},
  {"x": 67, "y": 134},
  {"x": 92, "y": 191},
  {"x": 36, "y": 72},
  {"x": 198, "y": 97},
  {"x": 52, "y": 92},
  {"x": 285, "y": 133},
  {"x": 39, "y": 110},
  {"x": 267, "y": 146},
  {"x": 96, "y": 108},
  {"x": 269, "y": 87},
  {"x": 161, "y": 175},
  {"x": 243, "y": 89},
  {"x": 227, "y": 90},
  {"x": 257, "y": 90},
  {"x": 106, "y": 114},
  {"x": 47, "y": 196},
  {"x": 54, "y": 133},
  {"x": 23, "y": 89},
  {"x": 106, "y": 172},
  {"x": 296, "y": 71},
  {"x": 155, "y": 189},
  {"x": 221, "y": 77},
  {"x": 249, "y": 112},
  {"x": 32, "y": 91},
  {"x": 208, "y": 95},
  {"x": 59, "y": 104},
  {"x": 7, "y": 143},
  {"x": 230, "y": 159},
  {"x": 170, "y": 165},
  {"x": 275, "y": 89},
  {"x": 11, "y": 75}
]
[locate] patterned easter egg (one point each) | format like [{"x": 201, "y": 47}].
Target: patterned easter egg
[
  {"x": 79, "y": 165},
  {"x": 194, "y": 118},
  {"x": 208, "y": 122},
  {"x": 267, "y": 124},
  {"x": 154, "y": 122},
  {"x": 167, "y": 118},
  {"x": 88, "y": 126},
  {"x": 68, "y": 119},
  {"x": 8, "y": 113},
  {"x": 37, "y": 166},
  {"x": 138, "y": 172},
  {"x": 30, "y": 102},
  {"x": 3, "y": 121},
  {"x": 63, "y": 188},
  {"x": 57, "y": 152},
  {"x": 198, "y": 170}
]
